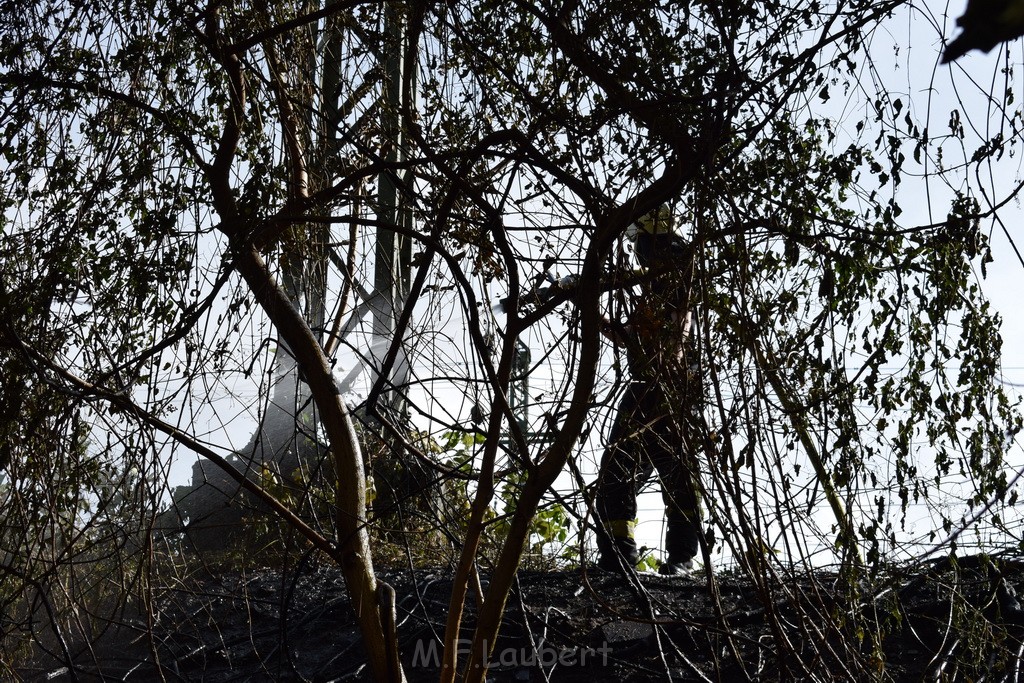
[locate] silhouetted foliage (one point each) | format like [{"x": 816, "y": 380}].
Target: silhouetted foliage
[{"x": 193, "y": 198}]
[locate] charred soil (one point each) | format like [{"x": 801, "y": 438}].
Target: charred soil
[{"x": 946, "y": 620}]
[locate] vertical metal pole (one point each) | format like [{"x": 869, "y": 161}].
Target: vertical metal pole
[
  {"x": 392, "y": 252},
  {"x": 387, "y": 192},
  {"x": 519, "y": 391}
]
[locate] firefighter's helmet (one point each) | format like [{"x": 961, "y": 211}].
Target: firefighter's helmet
[{"x": 656, "y": 237}]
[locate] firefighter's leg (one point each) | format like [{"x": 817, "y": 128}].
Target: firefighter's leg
[
  {"x": 623, "y": 472},
  {"x": 622, "y": 475},
  {"x": 679, "y": 489}
]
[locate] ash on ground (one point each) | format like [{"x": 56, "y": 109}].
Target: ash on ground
[{"x": 948, "y": 620}]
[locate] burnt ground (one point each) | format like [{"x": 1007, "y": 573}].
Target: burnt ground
[{"x": 943, "y": 621}]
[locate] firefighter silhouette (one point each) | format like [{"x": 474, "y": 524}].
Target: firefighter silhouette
[{"x": 652, "y": 430}]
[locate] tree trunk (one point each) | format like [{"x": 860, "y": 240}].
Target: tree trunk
[{"x": 353, "y": 553}]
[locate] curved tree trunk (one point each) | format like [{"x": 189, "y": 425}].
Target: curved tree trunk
[{"x": 353, "y": 552}]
